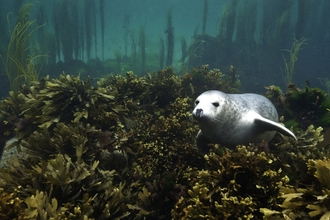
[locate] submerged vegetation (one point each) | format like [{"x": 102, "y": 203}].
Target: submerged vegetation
[
  {"x": 293, "y": 57},
  {"x": 249, "y": 34},
  {"x": 19, "y": 65},
  {"x": 125, "y": 149},
  {"x": 302, "y": 107}
]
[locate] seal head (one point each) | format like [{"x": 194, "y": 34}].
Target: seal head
[{"x": 233, "y": 119}]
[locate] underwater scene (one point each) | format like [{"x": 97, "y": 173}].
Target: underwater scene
[{"x": 104, "y": 112}]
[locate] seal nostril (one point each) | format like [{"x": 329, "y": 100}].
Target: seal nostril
[{"x": 199, "y": 112}]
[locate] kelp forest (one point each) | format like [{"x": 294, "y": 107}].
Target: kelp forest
[
  {"x": 268, "y": 42},
  {"x": 95, "y": 114}
]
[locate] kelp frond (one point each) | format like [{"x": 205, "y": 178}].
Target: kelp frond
[{"x": 19, "y": 67}]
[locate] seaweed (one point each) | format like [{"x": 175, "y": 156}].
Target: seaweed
[
  {"x": 125, "y": 149},
  {"x": 308, "y": 203},
  {"x": 302, "y": 107},
  {"x": 20, "y": 67},
  {"x": 293, "y": 57},
  {"x": 11, "y": 205}
]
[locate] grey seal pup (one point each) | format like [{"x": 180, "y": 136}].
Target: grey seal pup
[{"x": 233, "y": 119}]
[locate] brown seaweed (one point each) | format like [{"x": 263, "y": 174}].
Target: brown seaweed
[{"x": 125, "y": 149}]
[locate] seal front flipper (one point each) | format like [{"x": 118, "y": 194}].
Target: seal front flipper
[
  {"x": 202, "y": 143},
  {"x": 272, "y": 126}
]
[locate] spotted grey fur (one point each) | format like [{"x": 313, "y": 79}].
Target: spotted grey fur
[{"x": 233, "y": 119}]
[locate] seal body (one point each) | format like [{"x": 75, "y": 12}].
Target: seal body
[{"x": 233, "y": 119}]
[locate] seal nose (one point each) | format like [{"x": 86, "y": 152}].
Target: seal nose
[{"x": 198, "y": 113}]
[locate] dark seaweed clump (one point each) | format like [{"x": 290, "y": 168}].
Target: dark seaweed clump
[
  {"x": 125, "y": 149},
  {"x": 302, "y": 107}
]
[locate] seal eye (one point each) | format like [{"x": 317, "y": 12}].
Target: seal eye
[
  {"x": 196, "y": 102},
  {"x": 216, "y": 104}
]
